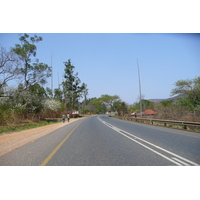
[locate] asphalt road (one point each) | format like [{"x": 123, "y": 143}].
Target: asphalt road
[{"x": 104, "y": 141}]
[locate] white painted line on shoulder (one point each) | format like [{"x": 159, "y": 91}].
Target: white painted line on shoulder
[
  {"x": 180, "y": 161},
  {"x": 125, "y": 133}
]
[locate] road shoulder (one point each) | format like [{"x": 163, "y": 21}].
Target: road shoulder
[{"x": 11, "y": 141}]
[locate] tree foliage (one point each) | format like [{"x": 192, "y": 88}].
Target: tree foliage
[
  {"x": 31, "y": 72},
  {"x": 121, "y": 107},
  {"x": 146, "y": 104},
  {"x": 72, "y": 89},
  {"x": 104, "y": 103},
  {"x": 109, "y": 100},
  {"x": 26, "y": 100},
  {"x": 98, "y": 105},
  {"x": 191, "y": 90},
  {"x": 52, "y": 104}
]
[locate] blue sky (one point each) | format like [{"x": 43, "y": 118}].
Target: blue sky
[{"x": 107, "y": 62}]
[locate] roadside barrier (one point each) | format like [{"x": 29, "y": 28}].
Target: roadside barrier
[{"x": 183, "y": 124}]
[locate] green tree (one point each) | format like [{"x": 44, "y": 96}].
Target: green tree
[
  {"x": 135, "y": 108},
  {"x": 32, "y": 72},
  {"x": 71, "y": 86},
  {"x": 30, "y": 100},
  {"x": 146, "y": 104},
  {"x": 5, "y": 110},
  {"x": 99, "y": 106},
  {"x": 49, "y": 92},
  {"x": 58, "y": 94},
  {"x": 120, "y": 107},
  {"x": 85, "y": 92},
  {"x": 166, "y": 103},
  {"x": 109, "y": 100},
  {"x": 191, "y": 90}
]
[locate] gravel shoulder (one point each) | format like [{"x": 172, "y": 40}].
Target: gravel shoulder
[{"x": 13, "y": 140}]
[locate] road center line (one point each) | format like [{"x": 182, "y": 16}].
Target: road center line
[{"x": 58, "y": 147}]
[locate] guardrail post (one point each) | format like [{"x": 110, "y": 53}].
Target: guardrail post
[{"x": 184, "y": 126}]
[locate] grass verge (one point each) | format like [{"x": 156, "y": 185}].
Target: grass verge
[{"x": 25, "y": 126}]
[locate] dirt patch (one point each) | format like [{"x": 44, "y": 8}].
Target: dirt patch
[{"x": 13, "y": 140}]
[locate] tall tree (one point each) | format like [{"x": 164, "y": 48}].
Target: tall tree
[
  {"x": 71, "y": 86},
  {"x": 85, "y": 92},
  {"x": 32, "y": 72}
]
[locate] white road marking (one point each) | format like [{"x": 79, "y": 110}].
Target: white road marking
[
  {"x": 175, "y": 159},
  {"x": 180, "y": 161}
]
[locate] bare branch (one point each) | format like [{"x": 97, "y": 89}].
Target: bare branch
[{"x": 9, "y": 66}]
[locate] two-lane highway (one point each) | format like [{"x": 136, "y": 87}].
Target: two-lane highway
[{"x": 104, "y": 141}]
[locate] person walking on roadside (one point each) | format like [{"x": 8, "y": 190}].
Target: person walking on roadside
[
  {"x": 68, "y": 117},
  {"x": 63, "y": 118}
]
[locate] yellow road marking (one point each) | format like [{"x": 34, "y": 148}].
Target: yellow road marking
[{"x": 58, "y": 147}]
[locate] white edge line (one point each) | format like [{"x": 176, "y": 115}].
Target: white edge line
[
  {"x": 164, "y": 149},
  {"x": 180, "y": 161},
  {"x": 118, "y": 130},
  {"x": 151, "y": 149}
]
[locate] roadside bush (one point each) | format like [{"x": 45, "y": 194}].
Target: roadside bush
[
  {"x": 5, "y": 110},
  {"x": 52, "y": 104},
  {"x": 51, "y": 108}
]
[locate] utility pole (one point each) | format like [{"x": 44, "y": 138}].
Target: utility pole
[{"x": 140, "y": 90}]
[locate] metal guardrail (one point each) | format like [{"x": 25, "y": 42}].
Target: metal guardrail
[{"x": 184, "y": 124}]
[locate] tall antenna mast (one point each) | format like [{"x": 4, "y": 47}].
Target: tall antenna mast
[
  {"x": 51, "y": 74},
  {"x": 58, "y": 81},
  {"x": 140, "y": 89}
]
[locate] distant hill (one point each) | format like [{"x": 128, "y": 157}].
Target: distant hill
[
  {"x": 168, "y": 99},
  {"x": 156, "y": 100}
]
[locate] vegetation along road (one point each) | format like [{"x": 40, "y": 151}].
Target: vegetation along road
[{"x": 104, "y": 141}]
